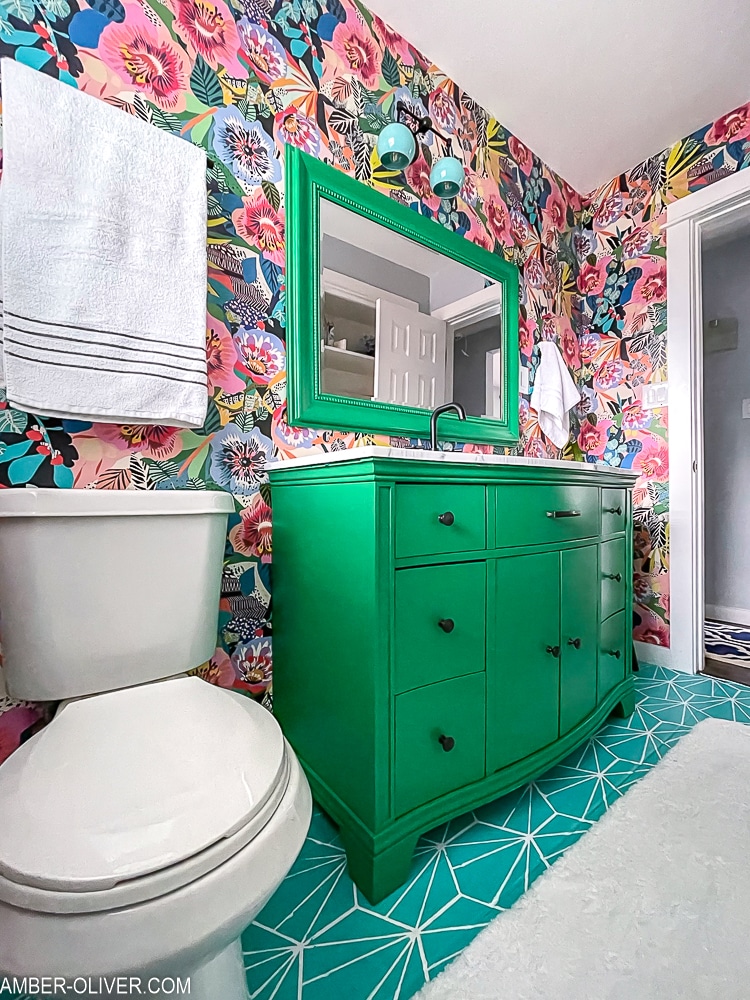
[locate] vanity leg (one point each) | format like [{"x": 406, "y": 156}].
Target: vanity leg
[
  {"x": 626, "y": 706},
  {"x": 378, "y": 873}
]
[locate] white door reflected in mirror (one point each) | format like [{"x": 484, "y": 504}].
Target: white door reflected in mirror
[{"x": 403, "y": 324}]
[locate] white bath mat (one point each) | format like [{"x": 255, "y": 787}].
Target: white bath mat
[{"x": 653, "y": 903}]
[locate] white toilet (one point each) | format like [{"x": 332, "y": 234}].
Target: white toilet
[{"x": 150, "y": 821}]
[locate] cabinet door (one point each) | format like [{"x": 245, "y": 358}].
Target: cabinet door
[
  {"x": 523, "y": 668},
  {"x": 579, "y": 632}
]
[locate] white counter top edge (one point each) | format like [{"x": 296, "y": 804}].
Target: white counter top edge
[{"x": 457, "y": 457}]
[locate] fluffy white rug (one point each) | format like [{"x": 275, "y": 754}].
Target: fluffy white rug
[{"x": 653, "y": 903}]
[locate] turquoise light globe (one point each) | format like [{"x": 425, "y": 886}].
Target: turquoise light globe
[
  {"x": 446, "y": 177},
  {"x": 396, "y": 146}
]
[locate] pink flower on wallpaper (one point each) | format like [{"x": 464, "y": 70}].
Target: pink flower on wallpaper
[
  {"x": 469, "y": 190},
  {"x": 652, "y": 461},
  {"x": 610, "y": 209},
  {"x": 151, "y": 440},
  {"x": 569, "y": 344},
  {"x": 13, "y": 724},
  {"x": 730, "y": 128},
  {"x": 289, "y": 439},
  {"x": 218, "y": 670},
  {"x": 592, "y": 438},
  {"x": 208, "y": 29},
  {"x": 635, "y": 418},
  {"x": 146, "y": 58},
  {"x": 637, "y": 243},
  {"x": 391, "y": 40},
  {"x": 652, "y": 285},
  {"x": 478, "y": 233},
  {"x": 651, "y": 628},
  {"x": 417, "y": 176},
  {"x": 553, "y": 213},
  {"x": 261, "y": 225},
  {"x": 252, "y": 536},
  {"x": 358, "y": 51},
  {"x": 526, "y": 329},
  {"x": 536, "y": 448},
  {"x": 498, "y": 219},
  {"x": 265, "y": 55},
  {"x": 521, "y": 154},
  {"x": 642, "y": 589},
  {"x": 442, "y": 110},
  {"x": 549, "y": 326},
  {"x": 298, "y": 130},
  {"x": 591, "y": 277},
  {"x": 253, "y": 664},
  {"x": 260, "y": 354},
  {"x": 533, "y": 272},
  {"x": 221, "y": 358},
  {"x": 609, "y": 374}
]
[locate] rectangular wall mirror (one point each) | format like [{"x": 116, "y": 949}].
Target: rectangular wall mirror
[{"x": 391, "y": 315}]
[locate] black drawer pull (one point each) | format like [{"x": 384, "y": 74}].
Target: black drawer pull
[
  {"x": 563, "y": 513},
  {"x": 446, "y": 518},
  {"x": 447, "y": 624},
  {"x": 614, "y": 652},
  {"x": 614, "y": 510},
  {"x": 575, "y": 642},
  {"x": 553, "y": 650},
  {"x": 447, "y": 742},
  {"x": 613, "y": 576}
]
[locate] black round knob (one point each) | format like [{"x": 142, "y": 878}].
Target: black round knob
[
  {"x": 446, "y": 518},
  {"x": 614, "y": 510},
  {"x": 447, "y": 742},
  {"x": 616, "y": 653},
  {"x": 575, "y": 642},
  {"x": 447, "y": 624},
  {"x": 614, "y": 576},
  {"x": 553, "y": 650}
]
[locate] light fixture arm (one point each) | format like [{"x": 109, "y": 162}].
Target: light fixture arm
[{"x": 423, "y": 122}]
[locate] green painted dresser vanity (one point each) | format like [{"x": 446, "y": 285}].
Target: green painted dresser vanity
[{"x": 446, "y": 627}]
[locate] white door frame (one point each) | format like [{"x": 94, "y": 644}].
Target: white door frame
[{"x": 689, "y": 221}]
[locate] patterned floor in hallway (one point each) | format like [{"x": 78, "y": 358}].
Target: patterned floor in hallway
[{"x": 318, "y": 939}]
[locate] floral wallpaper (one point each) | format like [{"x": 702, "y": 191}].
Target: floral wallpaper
[{"x": 241, "y": 78}]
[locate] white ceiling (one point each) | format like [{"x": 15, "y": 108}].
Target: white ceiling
[{"x": 592, "y": 86}]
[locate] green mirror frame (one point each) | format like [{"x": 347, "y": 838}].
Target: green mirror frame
[{"x": 307, "y": 181}]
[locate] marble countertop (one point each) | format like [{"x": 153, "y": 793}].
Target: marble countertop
[{"x": 454, "y": 457}]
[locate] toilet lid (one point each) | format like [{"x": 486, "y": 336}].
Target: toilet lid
[{"x": 127, "y": 783}]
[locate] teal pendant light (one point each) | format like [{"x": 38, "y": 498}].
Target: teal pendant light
[
  {"x": 446, "y": 177},
  {"x": 396, "y": 146}
]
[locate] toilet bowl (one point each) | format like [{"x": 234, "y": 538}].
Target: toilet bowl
[{"x": 156, "y": 814}]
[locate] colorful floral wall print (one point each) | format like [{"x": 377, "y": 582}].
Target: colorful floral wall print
[{"x": 241, "y": 78}]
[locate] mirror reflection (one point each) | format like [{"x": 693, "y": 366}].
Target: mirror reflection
[{"x": 403, "y": 324}]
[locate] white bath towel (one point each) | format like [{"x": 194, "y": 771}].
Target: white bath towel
[
  {"x": 555, "y": 394},
  {"x": 104, "y": 259}
]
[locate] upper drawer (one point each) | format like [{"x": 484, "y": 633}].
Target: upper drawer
[
  {"x": 432, "y": 520},
  {"x": 532, "y": 515},
  {"x": 613, "y": 511}
]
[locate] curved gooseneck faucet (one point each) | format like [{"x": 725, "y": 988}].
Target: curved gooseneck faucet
[{"x": 445, "y": 408}]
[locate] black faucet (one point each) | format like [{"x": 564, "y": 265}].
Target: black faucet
[{"x": 445, "y": 408}]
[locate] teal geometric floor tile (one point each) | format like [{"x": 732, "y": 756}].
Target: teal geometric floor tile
[{"x": 319, "y": 939}]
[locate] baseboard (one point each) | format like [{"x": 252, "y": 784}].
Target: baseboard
[
  {"x": 659, "y": 656},
  {"x": 735, "y": 616}
]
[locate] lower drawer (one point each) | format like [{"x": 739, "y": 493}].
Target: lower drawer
[
  {"x": 614, "y": 575},
  {"x": 439, "y": 733},
  {"x": 612, "y": 653}
]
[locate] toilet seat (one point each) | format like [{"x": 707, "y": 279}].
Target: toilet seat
[{"x": 201, "y": 771}]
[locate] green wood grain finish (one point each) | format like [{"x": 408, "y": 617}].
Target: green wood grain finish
[
  {"x": 523, "y": 675},
  {"x": 614, "y": 576},
  {"x": 579, "y": 634},
  {"x": 424, "y": 650},
  {"x": 614, "y": 639},
  {"x": 418, "y": 528},
  {"x": 309, "y": 180},
  {"x": 423, "y": 768},
  {"x": 364, "y": 682},
  {"x": 523, "y": 514}
]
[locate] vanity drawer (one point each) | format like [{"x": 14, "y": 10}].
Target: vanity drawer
[
  {"x": 613, "y": 511},
  {"x": 432, "y": 520},
  {"x": 532, "y": 515},
  {"x": 439, "y": 732},
  {"x": 612, "y": 654},
  {"x": 440, "y": 616},
  {"x": 614, "y": 574}
]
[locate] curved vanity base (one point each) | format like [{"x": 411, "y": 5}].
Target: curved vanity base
[{"x": 379, "y": 863}]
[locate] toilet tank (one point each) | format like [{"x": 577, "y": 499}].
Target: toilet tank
[{"x": 105, "y": 589}]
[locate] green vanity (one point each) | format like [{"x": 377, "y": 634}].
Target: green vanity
[{"x": 447, "y": 626}]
